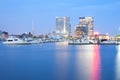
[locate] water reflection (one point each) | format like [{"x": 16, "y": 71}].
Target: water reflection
[
  {"x": 88, "y": 63},
  {"x": 118, "y": 64},
  {"x": 62, "y": 60},
  {"x": 96, "y": 64}
]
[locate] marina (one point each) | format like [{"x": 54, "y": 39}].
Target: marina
[{"x": 12, "y": 40}]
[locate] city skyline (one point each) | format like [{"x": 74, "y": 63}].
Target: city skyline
[{"x": 17, "y": 15}]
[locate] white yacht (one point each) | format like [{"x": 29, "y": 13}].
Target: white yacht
[
  {"x": 35, "y": 41},
  {"x": 15, "y": 41},
  {"x": 108, "y": 42}
]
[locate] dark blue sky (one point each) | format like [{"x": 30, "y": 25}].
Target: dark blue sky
[{"x": 16, "y": 16}]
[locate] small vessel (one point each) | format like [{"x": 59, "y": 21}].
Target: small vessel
[
  {"x": 79, "y": 42},
  {"x": 108, "y": 42},
  {"x": 35, "y": 41},
  {"x": 15, "y": 41}
]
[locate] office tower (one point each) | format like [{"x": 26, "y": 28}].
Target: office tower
[
  {"x": 85, "y": 26},
  {"x": 63, "y": 25}
]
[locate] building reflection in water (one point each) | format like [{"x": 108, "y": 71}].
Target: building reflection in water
[
  {"x": 118, "y": 63},
  {"x": 88, "y": 63},
  {"x": 61, "y": 60}
]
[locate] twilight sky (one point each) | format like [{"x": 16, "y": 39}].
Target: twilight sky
[{"x": 16, "y": 16}]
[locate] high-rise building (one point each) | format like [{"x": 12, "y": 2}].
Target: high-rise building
[
  {"x": 63, "y": 25},
  {"x": 85, "y": 26}
]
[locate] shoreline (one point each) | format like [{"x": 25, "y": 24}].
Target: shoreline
[{"x": 94, "y": 44}]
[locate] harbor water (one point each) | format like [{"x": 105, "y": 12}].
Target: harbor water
[{"x": 52, "y": 61}]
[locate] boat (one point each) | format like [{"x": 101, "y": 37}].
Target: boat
[
  {"x": 80, "y": 42},
  {"x": 15, "y": 41},
  {"x": 108, "y": 42},
  {"x": 35, "y": 41}
]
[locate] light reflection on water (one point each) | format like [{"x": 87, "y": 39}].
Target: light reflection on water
[
  {"x": 96, "y": 63},
  {"x": 118, "y": 64},
  {"x": 62, "y": 62},
  {"x": 88, "y": 62}
]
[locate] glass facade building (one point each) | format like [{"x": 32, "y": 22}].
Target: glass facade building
[
  {"x": 63, "y": 25},
  {"x": 85, "y": 26}
]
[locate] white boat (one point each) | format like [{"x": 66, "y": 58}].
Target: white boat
[
  {"x": 15, "y": 41},
  {"x": 33, "y": 41},
  {"x": 108, "y": 42},
  {"x": 79, "y": 42}
]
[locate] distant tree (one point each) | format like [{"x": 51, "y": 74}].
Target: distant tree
[{"x": 118, "y": 35}]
